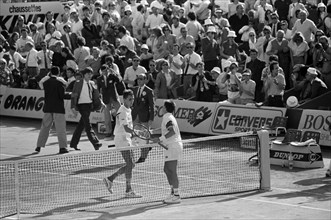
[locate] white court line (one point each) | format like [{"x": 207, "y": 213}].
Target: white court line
[
  {"x": 283, "y": 204},
  {"x": 299, "y": 191},
  {"x": 9, "y": 155}
]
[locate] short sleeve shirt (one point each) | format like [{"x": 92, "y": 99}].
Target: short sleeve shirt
[
  {"x": 123, "y": 117},
  {"x": 169, "y": 121}
]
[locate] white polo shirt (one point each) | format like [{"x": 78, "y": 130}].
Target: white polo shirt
[
  {"x": 32, "y": 58},
  {"x": 131, "y": 74},
  {"x": 193, "y": 58},
  {"x": 123, "y": 117},
  {"x": 168, "y": 120}
]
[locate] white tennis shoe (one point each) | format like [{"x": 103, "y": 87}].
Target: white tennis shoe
[
  {"x": 132, "y": 194},
  {"x": 108, "y": 184},
  {"x": 172, "y": 199}
]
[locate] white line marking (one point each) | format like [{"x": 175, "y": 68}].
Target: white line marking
[
  {"x": 299, "y": 191},
  {"x": 283, "y": 204},
  {"x": 9, "y": 155}
]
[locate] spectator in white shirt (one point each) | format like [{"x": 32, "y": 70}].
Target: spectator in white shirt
[
  {"x": 261, "y": 10},
  {"x": 15, "y": 57},
  {"x": 126, "y": 39},
  {"x": 21, "y": 42},
  {"x": 32, "y": 60},
  {"x": 287, "y": 31},
  {"x": 155, "y": 19},
  {"x": 138, "y": 23},
  {"x": 45, "y": 55},
  {"x": 306, "y": 26},
  {"x": 191, "y": 59},
  {"x": 77, "y": 24},
  {"x": 65, "y": 21},
  {"x": 177, "y": 26},
  {"x": 247, "y": 91},
  {"x": 132, "y": 72}
]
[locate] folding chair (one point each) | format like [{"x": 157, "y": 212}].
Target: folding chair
[
  {"x": 278, "y": 124},
  {"x": 291, "y": 135}
]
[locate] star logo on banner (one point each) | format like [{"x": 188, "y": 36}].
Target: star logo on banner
[{"x": 222, "y": 119}]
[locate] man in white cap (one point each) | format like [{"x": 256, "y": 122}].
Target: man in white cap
[
  {"x": 313, "y": 86},
  {"x": 247, "y": 91},
  {"x": 210, "y": 49},
  {"x": 155, "y": 19},
  {"x": 292, "y": 102},
  {"x": 229, "y": 48}
]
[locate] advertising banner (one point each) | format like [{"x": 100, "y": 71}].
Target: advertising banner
[
  {"x": 317, "y": 120},
  {"x": 194, "y": 117},
  {"x": 242, "y": 118},
  {"x": 31, "y": 11},
  {"x": 28, "y": 103}
]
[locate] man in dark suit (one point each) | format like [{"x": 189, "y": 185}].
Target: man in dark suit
[
  {"x": 54, "y": 88},
  {"x": 143, "y": 108},
  {"x": 81, "y": 101},
  {"x": 107, "y": 88},
  {"x": 256, "y": 66},
  {"x": 69, "y": 39},
  {"x": 210, "y": 49}
]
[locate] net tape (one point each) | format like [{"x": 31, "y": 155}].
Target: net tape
[{"x": 73, "y": 182}]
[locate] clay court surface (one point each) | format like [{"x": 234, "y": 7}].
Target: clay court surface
[{"x": 295, "y": 194}]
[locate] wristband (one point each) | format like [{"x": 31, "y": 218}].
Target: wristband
[{"x": 162, "y": 138}]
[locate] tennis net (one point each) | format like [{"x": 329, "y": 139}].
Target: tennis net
[{"x": 73, "y": 182}]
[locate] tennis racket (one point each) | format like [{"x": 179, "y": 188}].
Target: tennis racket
[{"x": 142, "y": 132}]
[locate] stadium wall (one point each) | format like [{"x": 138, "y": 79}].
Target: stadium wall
[{"x": 193, "y": 117}]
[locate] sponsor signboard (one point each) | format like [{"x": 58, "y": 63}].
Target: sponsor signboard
[
  {"x": 29, "y": 103},
  {"x": 191, "y": 116},
  {"x": 236, "y": 118},
  {"x": 31, "y": 11},
  {"x": 303, "y": 157},
  {"x": 317, "y": 120}
]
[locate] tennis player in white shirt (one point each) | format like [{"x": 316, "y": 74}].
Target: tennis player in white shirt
[
  {"x": 172, "y": 140},
  {"x": 123, "y": 133}
]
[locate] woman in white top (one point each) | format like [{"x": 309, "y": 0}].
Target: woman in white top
[{"x": 298, "y": 48}]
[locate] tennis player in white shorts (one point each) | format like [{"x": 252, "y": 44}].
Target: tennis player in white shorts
[
  {"x": 123, "y": 133},
  {"x": 171, "y": 138}
]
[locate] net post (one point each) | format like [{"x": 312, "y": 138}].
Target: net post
[
  {"x": 264, "y": 158},
  {"x": 17, "y": 191}
]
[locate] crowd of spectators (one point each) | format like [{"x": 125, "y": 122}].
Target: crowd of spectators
[{"x": 251, "y": 53}]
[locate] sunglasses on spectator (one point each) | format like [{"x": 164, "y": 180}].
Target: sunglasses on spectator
[
  {"x": 151, "y": 64},
  {"x": 135, "y": 60},
  {"x": 2, "y": 63},
  {"x": 252, "y": 35}
]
